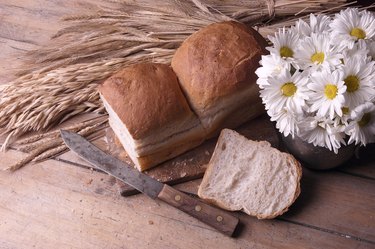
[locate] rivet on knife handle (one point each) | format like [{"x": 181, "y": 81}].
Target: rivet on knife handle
[{"x": 214, "y": 217}]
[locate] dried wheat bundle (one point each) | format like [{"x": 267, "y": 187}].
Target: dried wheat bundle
[
  {"x": 44, "y": 146},
  {"x": 60, "y": 80}
]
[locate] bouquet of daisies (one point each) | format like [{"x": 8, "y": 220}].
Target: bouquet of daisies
[{"x": 318, "y": 82}]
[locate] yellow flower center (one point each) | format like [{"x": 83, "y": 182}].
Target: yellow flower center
[
  {"x": 364, "y": 120},
  {"x": 318, "y": 57},
  {"x": 330, "y": 91},
  {"x": 352, "y": 83},
  {"x": 286, "y": 52},
  {"x": 345, "y": 110},
  {"x": 358, "y": 33},
  {"x": 289, "y": 89}
]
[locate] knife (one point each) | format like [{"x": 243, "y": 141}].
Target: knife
[{"x": 214, "y": 217}]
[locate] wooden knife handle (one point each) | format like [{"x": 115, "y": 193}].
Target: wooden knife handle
[{"x": 210, "y": 215}]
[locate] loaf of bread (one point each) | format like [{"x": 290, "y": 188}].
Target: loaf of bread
[
  {"x": 157, "y": 115},
  {"x": 216, "y": 69},
  {"x": 149, "y": 114},
  {"x": 250, "y": 176}
]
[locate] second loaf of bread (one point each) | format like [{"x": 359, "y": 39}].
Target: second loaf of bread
[
  {"x": 157, "y": 115},
  {"x": 216, "y": 69}
]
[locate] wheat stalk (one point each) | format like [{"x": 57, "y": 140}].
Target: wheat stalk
[
  {"x": 52, "y": 147},
  {"x": 32, "y": 143},
  {"x": 56, "y": 133},
  {"x": 60, "y": 81},
  {"x": 55, "y": 151}
]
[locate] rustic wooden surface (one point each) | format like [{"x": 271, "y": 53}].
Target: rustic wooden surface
[{"x": 56, "y": 204}]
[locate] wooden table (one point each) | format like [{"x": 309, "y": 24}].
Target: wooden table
[{"x": 56, "y": 204}]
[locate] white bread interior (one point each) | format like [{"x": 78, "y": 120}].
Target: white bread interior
[{"x": 250, "y": 176}]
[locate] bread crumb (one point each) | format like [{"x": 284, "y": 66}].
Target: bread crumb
[{"x": 228, "y": 175}]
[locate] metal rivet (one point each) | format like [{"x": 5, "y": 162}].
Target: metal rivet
[
  {"x": 219, "y": 218},
  {"x": 198, "y": 208},
  {"x": 177, "y": 197}
]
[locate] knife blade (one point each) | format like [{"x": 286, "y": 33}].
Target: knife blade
[{"x": 212, "y": 216}]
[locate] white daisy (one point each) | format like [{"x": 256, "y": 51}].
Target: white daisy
[
  {"x": 318, "y": 24},
  {"x": 285, "y": 91},
  {"x": 316, "y": 52},
  {"x": 286, "y": 121},
  {"x": 284, "y": 44},
  {"x": 336, "y": 136},
  {"x": 271, "y": 64},
  {"x": 362, "y": 127},
  {"x": 371, "y": 49},
  {"x": 327, "y": 93},
  {"x": 351, "y": 25},
  {"x": 322, "y": 132},
  {"x": 360, "y": 49},
  {"x": 318, "y": 77},
  {"x": 344, "y": 119},
  {"x": 301, "y": 28},
  {"x": 358, "y": 77}
]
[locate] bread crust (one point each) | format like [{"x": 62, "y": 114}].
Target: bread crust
[
  {"x": 210, "y": 169},
  {"x": 216, "y": 88},
  {"x": 146, "y": 97},
  {"x": 216, "y": 62}
]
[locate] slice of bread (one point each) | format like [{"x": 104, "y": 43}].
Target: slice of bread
[{"x": 250, "y": 176}]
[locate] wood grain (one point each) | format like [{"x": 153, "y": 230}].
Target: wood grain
[
  {"x": 58, "y": 205},
  {"x": 54, "y": 205},
  {"x": 27, "y": 25},
  {"x": 363, "y": 165},
  {"x": 337, "y": 202}
]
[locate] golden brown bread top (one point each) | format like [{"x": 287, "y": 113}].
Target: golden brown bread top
[
  {"x": 217, "y": 61},
  {"x": 146, "y": 97}
]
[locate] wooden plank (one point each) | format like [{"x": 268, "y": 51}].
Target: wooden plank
[
  {"x": 363, "y": 165},
  {"x": 337, "y": 202},
  {"x": 323, "y": 198},
  {"x": 54, "y": 205},
  {"x": 322, "y": 194},
  {"x": 25, "y": 25},
  {"x": 22, "y": 28},
  {"x": 334, "y": 202}
]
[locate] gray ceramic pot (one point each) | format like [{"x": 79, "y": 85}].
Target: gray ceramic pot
[{"x": 316, "y": 157}]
